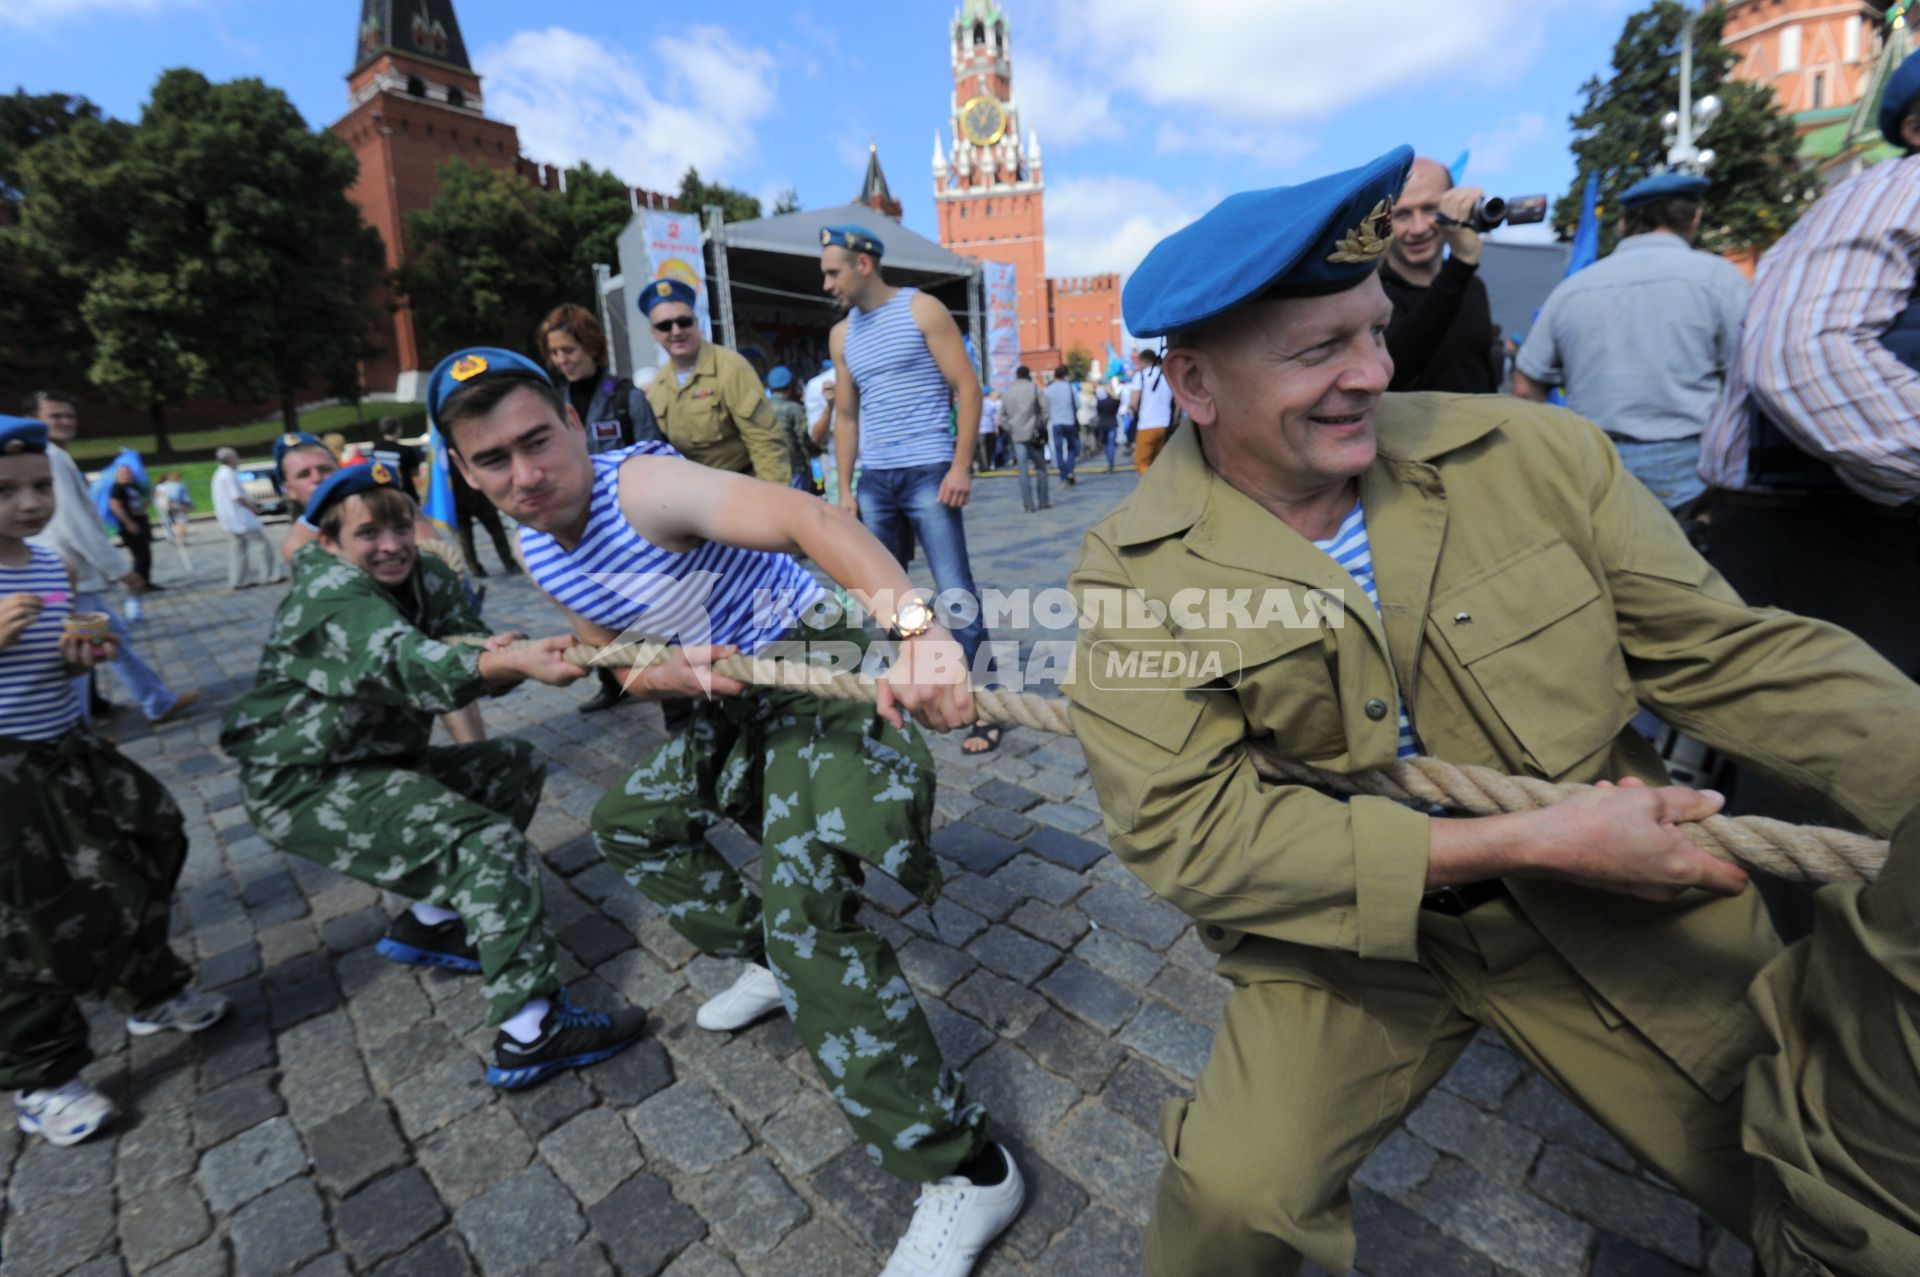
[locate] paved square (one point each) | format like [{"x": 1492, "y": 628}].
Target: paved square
[{"x": 340, "y": 1124}]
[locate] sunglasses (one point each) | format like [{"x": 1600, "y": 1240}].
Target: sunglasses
[{"x": 682, "y": 322}]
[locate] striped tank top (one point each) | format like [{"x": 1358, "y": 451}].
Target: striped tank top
[
  {"x": 1349, "y": 548},
  {"x": 38, "y": 699},
  {"x": 711, "y": 594},
  {"x": 905, "y": 403}
]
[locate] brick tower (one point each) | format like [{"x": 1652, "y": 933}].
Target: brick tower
[
  {"x": 989, "y": 197},
  {"x": 1817, "y": 55},
  {"x": 415, "y": 101}
]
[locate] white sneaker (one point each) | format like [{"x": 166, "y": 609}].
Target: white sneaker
[
  {"x": 953, "y": 1221},
  {"x": 754, "y": 994},
  {"x": 188, "y": 1011},
  {"x": 63, "y": 1114}
]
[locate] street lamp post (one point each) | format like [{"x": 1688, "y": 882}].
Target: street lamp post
[{"x": 1684, "y": 127}]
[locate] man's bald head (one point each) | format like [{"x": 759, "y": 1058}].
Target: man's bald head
[{"x": 1416, "y": 236}]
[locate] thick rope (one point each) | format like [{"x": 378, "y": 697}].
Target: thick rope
[{"x": 1803, "y": 853}]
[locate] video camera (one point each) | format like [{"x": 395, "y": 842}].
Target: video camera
[{"x": 1521, "y": 210}]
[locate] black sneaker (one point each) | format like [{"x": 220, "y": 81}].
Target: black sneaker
[
  {"x": 569, "y": 1039},
  {"x": 606, "y": 698},
  {"x": 444, "y": 944}
]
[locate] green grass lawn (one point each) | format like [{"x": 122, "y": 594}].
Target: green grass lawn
[{"x": 255, "y": 437}]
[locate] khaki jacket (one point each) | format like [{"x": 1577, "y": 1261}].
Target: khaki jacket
[
  {"x": 1533, "y": 592},
  {"x": 721, "y": 417}
]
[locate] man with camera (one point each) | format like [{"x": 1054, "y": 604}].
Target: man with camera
[
  {"x": 1441, "y": 336},
  {"x": 1641, "y": 339}
]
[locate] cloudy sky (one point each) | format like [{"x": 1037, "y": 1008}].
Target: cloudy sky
[{"x": 1148, "y": 112}]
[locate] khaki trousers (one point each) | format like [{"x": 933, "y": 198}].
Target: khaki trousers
[
  {"x": 1322, "y": 1054},
  {"x": 1146, "y": 446}
]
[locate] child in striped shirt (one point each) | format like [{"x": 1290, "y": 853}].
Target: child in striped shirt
[{"x": 92, "y": 845}]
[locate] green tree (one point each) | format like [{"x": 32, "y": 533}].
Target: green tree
[
  {"x": 789, "y": 202},
  {"x": 485, "y": 255},
  {"x": 47, "y": 344},
  {"x": 1758, "y": 186},
  {"x": 735, "y": 205},
  {"x": 1079, "y": 363},
  {"x": 214, "y": 247},
  {"x": 587, "y": 220}
]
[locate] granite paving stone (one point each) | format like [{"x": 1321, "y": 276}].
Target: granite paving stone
[
  {"x": 749, "y": 1206},
  {"x": 1625, "y": 1204},
  {"x": 1106, "y": 1152},
  {"x": 1065, "y": 1046},
  {"x": 250, "y": 1163},
  {"x": 56, "y": 1238},
  {"x": 1092, "y": 995},
  {"x": 644, "y": 1224},
  {"x": 1058, "y": 926},
  {"x": 1490, "y": 1144},
  {"x": 519, "y": 1222},
  {"x": 475, "y": 1153},
  {"x": 807, "y": 1133},
  {"x": 1020, "y": 1096},
  {"x": 279, "y": 1232},
  {"x": 158, "y": 1225},
  {"x": 593, "y": 1154},
  {"x": 1011, "y": 954},
  {"x": 388, "y": 1216},
  {"x": 688, "y": 1127},
  {"x": 1170, "y": 1039}
]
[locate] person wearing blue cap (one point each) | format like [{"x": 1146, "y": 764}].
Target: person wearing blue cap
[
  {"x": 1380, "y": 574},
  {"x": 708, "y": 400},
  {"x": 784, "y": 394},
  {"x": 644, "y": 544},
  {"x": 77, "y": 536},
  {"x": 1641, "y": 339},
  {"x": 907, "y": 412},
  {"x": 92, "y": 844},
  {"x": 336, "y": 766}
]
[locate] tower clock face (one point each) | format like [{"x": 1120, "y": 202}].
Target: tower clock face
[{"x": 983, "y": 120}]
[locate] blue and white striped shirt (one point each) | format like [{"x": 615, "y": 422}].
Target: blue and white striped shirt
[
  {"x": 1350, "y": 549},
  {"x": 39, "y": 700},
  {"x": 905, "y": 402},
  {"x": 711, "y": 594}
]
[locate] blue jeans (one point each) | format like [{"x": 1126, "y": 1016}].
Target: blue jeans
[
  {"x": 894, "y": 501},
  {"x": 1669, "y": 467},
  {"x": 146, "y": 687},
  {"x": 1066, "y": 448},
  {"x": 1109, "y": 440}
]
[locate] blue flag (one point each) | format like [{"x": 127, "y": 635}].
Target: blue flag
[
  {"x": 439, "y": 503},
  {"x": 1458, "y": 167},
  {"x": 1586, "y": 236}
]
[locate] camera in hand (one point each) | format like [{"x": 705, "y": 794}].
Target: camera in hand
[{"x": 1521, "y": 210}]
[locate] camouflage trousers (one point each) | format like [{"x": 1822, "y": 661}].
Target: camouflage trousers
[
  {"x": 447, "y": 828},
  {"x": 90, "y": 849},
  {"x": 828, "y": 788}
]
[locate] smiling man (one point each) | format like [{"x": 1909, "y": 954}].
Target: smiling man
[
  {"x": 1441, "y": 337},
  {"x": 1511, "y": 595},
  {"x": 708, "y": 400}
]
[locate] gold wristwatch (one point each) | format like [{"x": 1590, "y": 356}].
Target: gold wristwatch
[{"x": 911, "y": 619}]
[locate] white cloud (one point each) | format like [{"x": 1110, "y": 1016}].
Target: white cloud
[
  {"x": 1246, "y": 62},
  {"x": 694, "y": 101},
  {"x": 1268, "y": 146},
  {"x": 1495, "y": 150},
  {"x": 1060, "y": 102},
  {"x": 31, "y": 14},
  {"x": 1097, "y": 224}
]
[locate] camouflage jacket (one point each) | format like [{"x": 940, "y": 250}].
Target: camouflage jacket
[{"x": 353, "y": 673}]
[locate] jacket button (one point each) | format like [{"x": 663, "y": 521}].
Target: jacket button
[
  {"x": 1376, "y": 709},
  {"x": 1216, "y": 932}
]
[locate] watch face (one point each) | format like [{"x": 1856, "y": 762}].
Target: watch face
[
  {"x": 913, "y": 617},
  {"x": 983, "y": 120}
]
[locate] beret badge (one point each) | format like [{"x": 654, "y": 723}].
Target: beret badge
[
  {"x": 1369, "y": 239},
  {"x": 663, "y": 288},
  {"x": 468, "y": 368},
  {"x": 381, "y": 474}
]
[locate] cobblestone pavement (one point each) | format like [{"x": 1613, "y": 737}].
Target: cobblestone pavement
[{"x": 340, "y": 1124}]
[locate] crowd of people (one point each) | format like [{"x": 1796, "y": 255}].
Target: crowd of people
[{"x": 1517, "y": 582}]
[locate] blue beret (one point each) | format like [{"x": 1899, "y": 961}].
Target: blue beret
[
  {"x": 1321, "y": 236},
  {"x": 779, "y": 378},
  {"x": 666, "y": 290},
  {"x": 1664, "y": 186},
  {"x": 291, "y": 439},
  {"x": 855, "y": 239},
  {"x": 22, "y": 434},
  {"x": 346, "y": 482},
  {"x": 1902, "y": 87},
  {"x": 464, "y": 366}
]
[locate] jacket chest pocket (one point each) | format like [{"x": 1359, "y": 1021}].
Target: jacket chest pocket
[
  {"x": 1284, "y": 684},
  {"x": 696, "y": 418},
  {"x": 1538, "y": 637}
]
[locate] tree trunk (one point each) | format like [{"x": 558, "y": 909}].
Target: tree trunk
[
  {"x": 157, "y": 415},
  {"x": 289, "y": 412}
]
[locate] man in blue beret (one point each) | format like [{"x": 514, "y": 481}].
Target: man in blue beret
[
  {"x": 783, "y": 392},
  {"x": 1642, "y": 338},
  {"x": 643, "y": 544},
  {"x": 907, "y": 412},
  {"x": 708, "y": 400},
  {"x": 1346, "y": 577},
  {"x": 335, "y": 765}
]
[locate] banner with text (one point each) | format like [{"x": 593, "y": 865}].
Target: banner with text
[
  {"x": 673, "y": 252},
  {"x": 1003, "y": 324}
]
